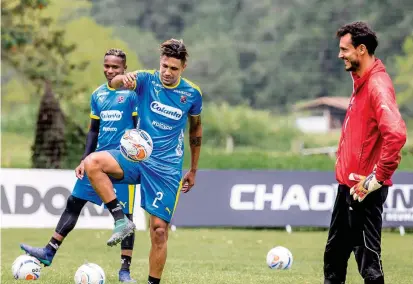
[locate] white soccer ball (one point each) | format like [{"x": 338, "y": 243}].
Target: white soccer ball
[
  {"x": 136, "y": 145},
  {"x": 279, "y": 258},
  {"x": 26, "y": 267},
  {"x": 90, "y": 273}
]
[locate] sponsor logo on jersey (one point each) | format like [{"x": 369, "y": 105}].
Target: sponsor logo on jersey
[
  {"x": 110, "y": 129},
  {"x": 102, "y": 94},
  {"x": 183, "y": 99},
  {"x": 111, "y": 115},
  {"x": 123, "y": 92},
  {"x": 165, "y": 110},
  {"x": 157, "y": 84},
  {"x": 161, "y": 125},
  {"x": 183, "y": 93}
]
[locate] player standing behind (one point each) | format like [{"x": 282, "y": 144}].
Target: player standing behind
[
  {"x": 166, "y": 101},
  {"x": 372, "y": 136},
  {"x": 112, "y": 112}
]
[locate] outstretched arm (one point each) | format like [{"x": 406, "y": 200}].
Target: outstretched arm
[{"x": 127, "y": 80}]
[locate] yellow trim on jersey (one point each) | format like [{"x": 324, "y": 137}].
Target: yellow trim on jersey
[
  {"x": 131, "y": 189},
  {"x": 94, "y": 116},
  {"x": 150, "y": 71},
  {"x": 177, "y": 197},
  {"x": 170, "y": 87},
  {"x": 193, "y": 85},
  {"x": 135, "y": 113},
  {"x": 112, "y": 89}
]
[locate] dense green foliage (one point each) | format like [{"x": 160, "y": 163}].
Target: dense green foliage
[{"x": 252, "y": 59}]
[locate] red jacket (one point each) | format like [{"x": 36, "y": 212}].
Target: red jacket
[{"x": 373, "y": 131}]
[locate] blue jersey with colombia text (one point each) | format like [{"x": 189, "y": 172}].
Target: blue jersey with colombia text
[
  {"x": 114, "y": 109},
  {"x": 163, "y": 112}
]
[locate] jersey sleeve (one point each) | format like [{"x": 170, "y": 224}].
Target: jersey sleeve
[
  {"x": 94, "y": 110},
  {"x": 196, "y": 107},
  {"x": 134, "y": 104},
  {"x": 142, "y": 76}
]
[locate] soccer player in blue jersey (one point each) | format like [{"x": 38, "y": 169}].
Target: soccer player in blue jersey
[
  {"x": 112, "y": 112},
  {"x": 166, "y": 101}
]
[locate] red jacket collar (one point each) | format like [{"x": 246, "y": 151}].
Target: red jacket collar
[{"x": 376, "y": 67}]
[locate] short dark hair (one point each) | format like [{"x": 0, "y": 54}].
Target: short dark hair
[
  {"x": 174, "y": 48},
  {"x": 116, "y": 52},
  {"x": 360, "y": 34}
]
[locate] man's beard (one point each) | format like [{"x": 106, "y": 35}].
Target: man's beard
[{"x": 354, "y": 65}]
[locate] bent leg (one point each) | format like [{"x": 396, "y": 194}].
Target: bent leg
[{"x": 99, "y": 166}]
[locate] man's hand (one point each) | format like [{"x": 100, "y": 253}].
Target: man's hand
[
  {"x": 127, "y": 80},
  {"x": 365, "y": 185},
  {"x": 80, "y": 170},
  {"x": 188, "y": 181}
]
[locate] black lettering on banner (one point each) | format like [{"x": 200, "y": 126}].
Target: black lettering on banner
[
  {"x": 24, "y": 193},
  {"x": 48, "y": 200},
  {"x": 5, "y": 207},
  {"x": 21, "y": 191},
  {"x": 399, "y": 195}
]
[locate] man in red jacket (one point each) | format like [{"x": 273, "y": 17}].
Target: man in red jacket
[{"x": 372, "y": 136}]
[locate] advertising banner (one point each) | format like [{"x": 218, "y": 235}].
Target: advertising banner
[
  {"x": 278, "y": 198},
  {"x": 36, "y": 198}
]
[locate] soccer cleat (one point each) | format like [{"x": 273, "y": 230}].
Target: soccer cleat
[
  {"x": 124, "y": 276},
  {"x": 123, "y": 228},
  {"x": 44, "y": 255}
]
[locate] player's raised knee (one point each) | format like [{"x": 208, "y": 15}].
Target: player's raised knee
[{"x": 92, "y": 162}]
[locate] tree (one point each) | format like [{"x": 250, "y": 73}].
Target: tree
[
  {"x": 268, "y": 53},
  {"x": 404, "y": 77},
  {"x": 49, "y": 146},
  {"x": 38, "y": 52}
]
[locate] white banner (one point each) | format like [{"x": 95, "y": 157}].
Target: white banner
[{"x": 36, "y": 198}]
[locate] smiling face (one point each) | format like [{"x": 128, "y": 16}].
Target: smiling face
[
  {"x": 170, "y": 70},
  {"x": 349, "y": 54},
  {"x": 113, "y": 65}
]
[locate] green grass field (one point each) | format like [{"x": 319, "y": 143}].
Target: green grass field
[{"x": 205, "y": 256}]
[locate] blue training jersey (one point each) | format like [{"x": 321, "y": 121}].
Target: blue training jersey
[
  {"x": 163, "y": 112},
  {"x": 114, "y": 109}
]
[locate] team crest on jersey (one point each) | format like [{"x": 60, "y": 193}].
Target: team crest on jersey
[
  {"x": 121, "y": 99},
  {"x": 183, "y": 99}
]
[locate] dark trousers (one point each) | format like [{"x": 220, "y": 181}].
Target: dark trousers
[{"x": 355, "y": 226}]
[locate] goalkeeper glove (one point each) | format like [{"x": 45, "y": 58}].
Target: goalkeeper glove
[{"x": 365, "y": 185}]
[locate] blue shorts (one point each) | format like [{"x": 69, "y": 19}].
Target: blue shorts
[
  {"x": 124, "y": 192},
  {"x": 160, "y": 185}
]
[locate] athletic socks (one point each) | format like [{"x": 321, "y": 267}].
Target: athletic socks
[
  {"x": 115, "y": 209},
  {"x": 53, "y": 245}
]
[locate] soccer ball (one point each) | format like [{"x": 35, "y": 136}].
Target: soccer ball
[
  {"x": 26, "y": 267},
  {"x": 136, "y": 145},
  {"x": 90, "y": 273},
  {"x": 279, "y": 258}
]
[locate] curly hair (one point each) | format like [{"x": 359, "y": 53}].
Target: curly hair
[
  {"x": 360, "y": 34},
  {"x": 174, "y": 48},
  {"x": 116, "y": 52}
]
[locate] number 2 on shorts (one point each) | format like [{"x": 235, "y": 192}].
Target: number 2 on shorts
[{"x": 159, "y": 196}]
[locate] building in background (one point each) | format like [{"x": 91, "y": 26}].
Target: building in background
[{"x": 321, "y": 115}]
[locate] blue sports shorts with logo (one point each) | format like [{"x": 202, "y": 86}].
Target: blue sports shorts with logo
[
  {"x": 160, "y": 184},
  {"x": 124, "y": 192}
]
